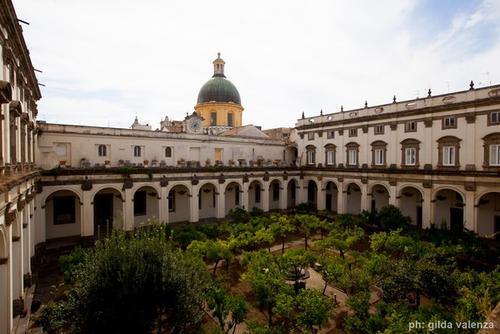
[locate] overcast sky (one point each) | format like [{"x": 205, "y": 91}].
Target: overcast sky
[{"x": 106, "y": 61}]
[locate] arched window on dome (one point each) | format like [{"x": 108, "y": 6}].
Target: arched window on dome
[
  {"x": 168, "y": 152},
  {"x": 230, "y": 121}
]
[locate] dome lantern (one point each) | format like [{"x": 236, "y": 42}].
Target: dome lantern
[{"x": 219, "y": 66}]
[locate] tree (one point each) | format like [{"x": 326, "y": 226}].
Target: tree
[
  {"x": 392, "y": 243},
  {"x": 332, "y": 270},
  {"x": 229, "y": 310},
  {"x": 391, "y": 218},
  {"x": 127, "y": 284},
  {"x": 281, "y": 227},
  {"x": 265, "y": 237},
  {"x": 293, "y": 262},
  {"x": 307, "y": 225},
  {"x": 313, "y": 309},
  {"x": 341, "y": 239},
  {"x": 266, "y": 278},
  {"x": 212, "y": 252}
]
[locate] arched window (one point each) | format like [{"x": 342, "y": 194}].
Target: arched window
[
  {"x": 410, "y": 153},
  {"x": 330, "y": 155},
  {"x": 379, "y": 149},
  {"x": 311, "y": 154},
  {"x": 137, "y": 151},
  {"x": 102, "y": 150},
  {"x": 168, "y": 152},
  {"x": 352, "y": 152},
  {"x": 449, "y": 148}
]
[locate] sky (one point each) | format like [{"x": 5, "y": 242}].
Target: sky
[{"x": 106, "y": 62}]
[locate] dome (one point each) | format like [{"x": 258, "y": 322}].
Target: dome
[{"x": 219, "y": 89}]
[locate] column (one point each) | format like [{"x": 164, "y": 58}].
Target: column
[
  {"x": 427, "y": 208},
  {"x": 194, "y": 212},
  {"x": 17, "y": 260},
  {"x": 320, "y": 197},
  {"x": 265, "y": 196},
  {"x": 365, "y": 199},
  {"x": 470, "y": 222},
  {"x": 301, "y": 192},
  {"x": 6, "y": 285},
  {"x": 341, "y": 198},
  {"x": 26, "y": 241},
  {"x": 128, "y": 211},
  {"x": 87, "y": 215},
  {"x": 393, "y": 195},
  {"x": 283, "y": 195},
  {"x": 244, "y": 196},
  {"x": 163, "y": 205},
  {"x": 221, "y": 201}
]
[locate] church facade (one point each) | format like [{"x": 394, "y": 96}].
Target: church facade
[{"x": 437, "y": 158}]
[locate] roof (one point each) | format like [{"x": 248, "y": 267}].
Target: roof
[
  {"x": 249, "y": 131},
  {"x": 219, "y": 89}
]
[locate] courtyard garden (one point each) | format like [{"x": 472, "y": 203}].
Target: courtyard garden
[{"x": 257, "y": 273}]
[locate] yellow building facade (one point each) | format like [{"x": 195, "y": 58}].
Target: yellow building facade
[{"x": 219, "y": 102}]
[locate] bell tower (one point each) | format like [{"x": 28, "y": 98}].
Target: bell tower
[{"x": 219, "y": 66}]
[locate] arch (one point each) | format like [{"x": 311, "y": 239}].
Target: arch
[
  {"x": 275, "y": 193},
  {"x": 331, "y": 195},
  {"x": 448, "y": 205},
  {"x": 140, "y": 185},
  {"x": 232, "y": 195},
  {"x": 291, "y": 192},
  {"x": 186, "y": 185},
  {"x": 205, "y": 182},
  {"x": 207, "y": 200},
  {"x": 488, "y": 214},
  {"x": 255, "y": 189},
  {"x": 75, "y": 190},
  {"x": 108, "y": 210},
  {"x": 105, "y": 186},
  {"x": 380, "y": 197},
  {"x": 146, "y": 200},
  {"x": 410, "y": 200},
  {"x": 63, "y": 213},
  {"x": 448, "y": 187},
  {"x": 179, "y": 204},
  {"x": 353, "y": 198}
]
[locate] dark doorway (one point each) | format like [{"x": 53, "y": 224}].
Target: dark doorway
[
  {"x": 497, "y": 227},
  {"x": 329, "y": 202},
  {"x": 456, "y": 220},
  {"x": 312, "y": 190},
  {"x": 419, "y": 216},
  {"x": 103, "y": 212},
  {"x": 374, "y": 206}
]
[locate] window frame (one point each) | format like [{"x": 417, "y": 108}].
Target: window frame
[
  {"x": 409, "y": 126},
  {"x": 353, "y": 132},
  {"x": 168, "y": 152},
  {"x": 490, "y": 117},
  {"x": 446, "y": 142},
  {"x": 352, "y": 147},
  {"x": 310, "y": 155},
  {"x": 99, "y": 151},
  {"x": 410, "y": 143},
  {"x": 491, "y": 140},
  {"x": 137, "y": 151},
  {"x": 330, "y": 154},
  {"x": 449, "y": 125},
  {"x": 375, "y": 132}
]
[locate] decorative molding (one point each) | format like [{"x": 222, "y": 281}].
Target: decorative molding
[
  {"x": 194, "y": 180},
  {"x": 364, "y": 179},
  {"x": 470, "y": 118},
  {"x": 470, "y": 186},
  {"x": 393, "y": 181},
  {"x": 128, "y": 183},
  {"x": 163, "y": 181},
  {"x": 393, "y": 126},
  {"x": 87, "y": 184},
  {"x": 428, "y": 122},
  {"x": 427, "y": 183}
]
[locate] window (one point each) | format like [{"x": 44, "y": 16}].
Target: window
[
  {"x": 276, "y": 192},
  {"x": 213, "y": 118},
  {"x": 410, "y": 156},
  {"x": 168, "y": 152},
  {"x": 310, "y": 136},
  {"x": 102, "y": 150},
  {"x": 330, "y": 154},
  {"x": 495, "y": 155},
  {"x": 450, "y": 122},
  {"x": 257, "y": 193},
  {"x": 448, "y": 156},
  {"x": 140, "y": 203},
  {"x": 353, "y": 132},
  {"x": 236, "y": 196},
  {"x": 230, "y": 119},
  {"x": 330, "y": 134},
  {"x": 137, "y": 151},
  {"x": 171, "y": 201},
  {"x": 448, "y": 148},
  {"x": 411, "y": 126},
  {"x": 352, "y": 154},
  {"x": 379, "y": 129},
  {"x": 379, "y": 157},
  {"x": 410, "y": 153},
  {"x": 494, "y": 117},
  {"x": 311, "y": 155},
  {"x": 64, "y": 210},
  {"x": 379, "y": 148}
]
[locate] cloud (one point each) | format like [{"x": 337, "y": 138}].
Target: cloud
[{"x": 105, "y": 62}]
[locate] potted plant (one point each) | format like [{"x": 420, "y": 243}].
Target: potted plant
[
  {"x": 107, "y": 163},
  {"x": 207, "y": 162},
  {"x": 154, "y": 163},
  {"x": 146, "y": 163}
]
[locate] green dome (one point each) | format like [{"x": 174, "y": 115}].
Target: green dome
[{"x": 219, "y": 89}]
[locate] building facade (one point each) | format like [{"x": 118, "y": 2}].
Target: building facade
[
  {"x": 437, "y": 158},
  {"x": 18, "y": 95}
]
